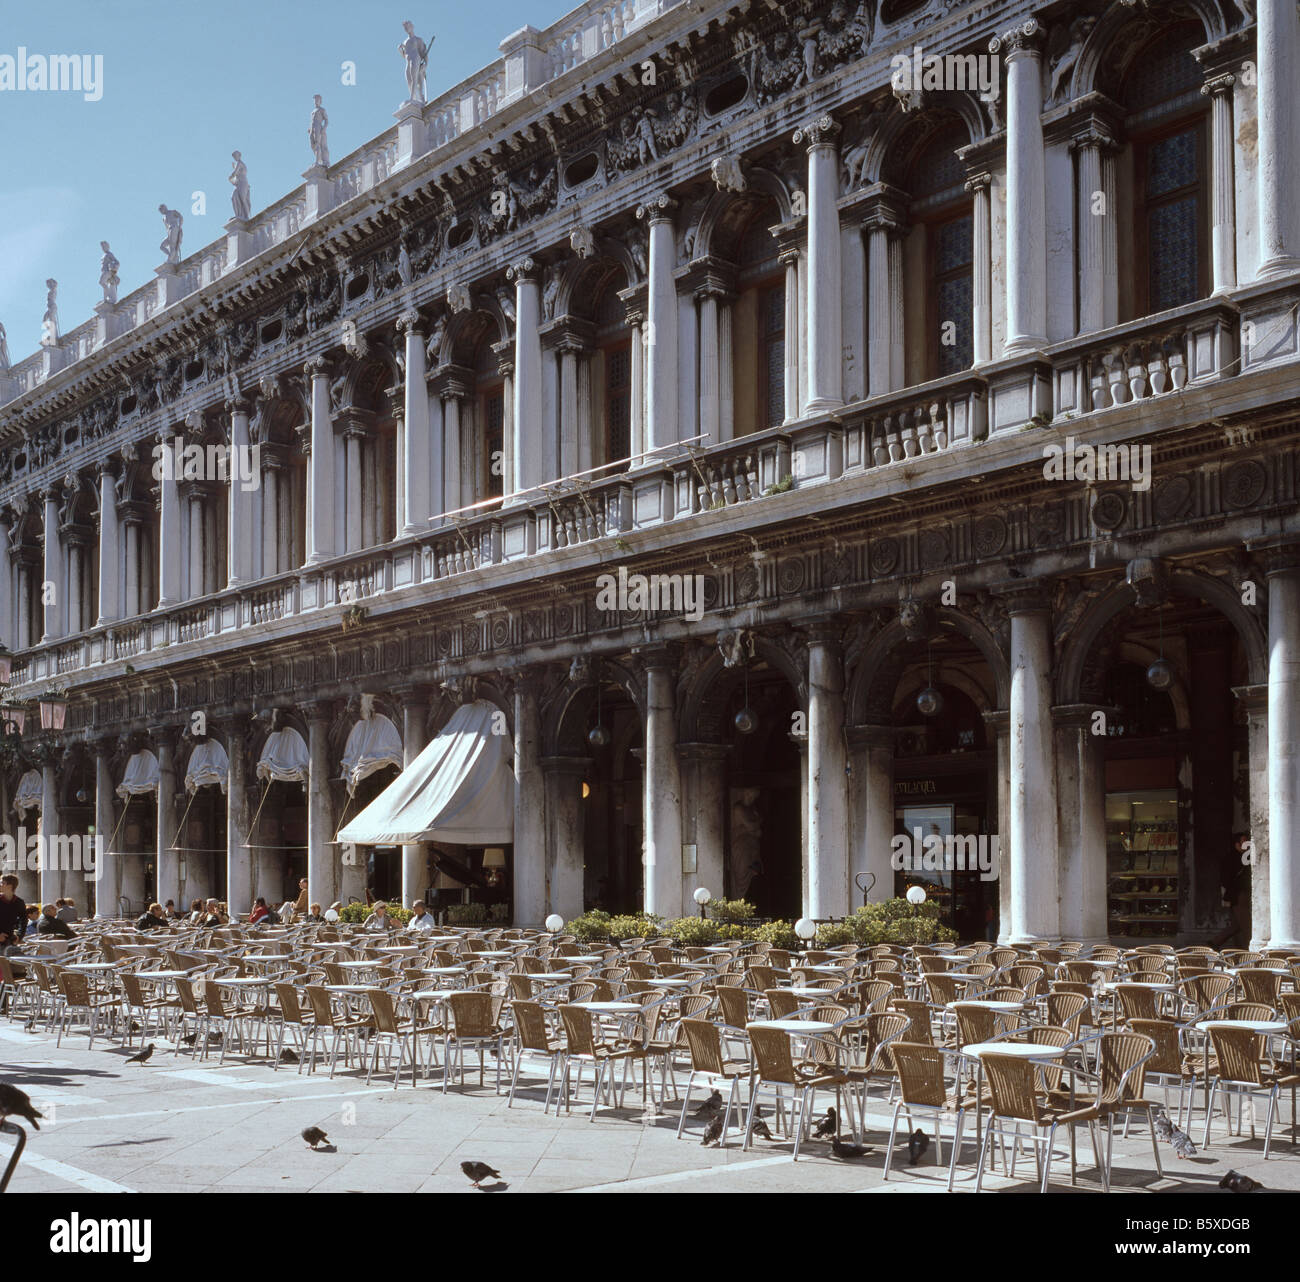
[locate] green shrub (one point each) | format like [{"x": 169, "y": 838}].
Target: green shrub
[
  {"x": 598, "y": 924},
  {"x": 895, "y": 921},
  {"x": 833, "y": 934},
  {"x": 691, "y": 932},
  {"x": 731, "y": 910},
  {"x": 731, "y": 932},
  {"x": 359, "y": 912},
  {"x": 780, "y": 934},
  {"x": 635, "y": 926},
  {"x": 591, "y": 925},
  {"x": 467, "y": 914}
]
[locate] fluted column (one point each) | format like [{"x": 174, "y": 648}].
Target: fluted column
[
  {"x": 663, "y": 790},
  {"x": 415, "y": 438},
  {"x": 239, "y": 530},
  {"x": 110, "y": 606},
  {"x": 322, "y": 875},
  {"x": 726, "y": 378},
  {"x": 271, "y": 515},
  {"x": 824, "y": 351},
  {"x": 321, "y": 543},
  {"x": 76, "y": 546},
  {"x": 239, "y": 856},
  {"x": 982, "y": 269},
  {"x": 452, "y": 481},
  {"x": 169, "y": 536},
  {"x": 637, "y": 373},
  {"x": 415, "y": 709},
  {"x": 167, "y": 862},
  {"x": 53, "y": 588},
  {"x": 790, "y": 258},
  {"x": 8, "y": 615},
  {"x": 828, "y": 812},
  {"x": 568, "y": 410},
  {"x": 1033, "y": 856},
  {"x": 194, "y": 509},
  {"x": 1223, "y": 235},
  {"x": 530, "y": 809},
  {"x": 534, "y": 461},
  {"x": 710, "y": 403},
  {"x": 661, "y": 336},
  {"x": 884, "y": 225},
  {"x": 134, "y": 594},
  {"x": 353, "y": 437},
  {"x": 1094, "y": 148},
  {"x": 1026, "y": 245},
  {"x": 108, "y": 862},
  {"x": 1277, "y": 46}
]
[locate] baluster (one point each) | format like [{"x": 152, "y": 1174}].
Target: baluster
[
  {"x": 1114, "y": 363},
  {"x": 1173, "y": 348},
  {"x": 911, "y": 447},
  {"x": 729, "y": 484}
]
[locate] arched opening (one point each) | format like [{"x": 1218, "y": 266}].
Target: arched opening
[
  {"x": 612, "y": 802},
  {"x": 278, "y": 843},
  {"x": 611, "y": 378},
  {"x": 759, "y": 324}
]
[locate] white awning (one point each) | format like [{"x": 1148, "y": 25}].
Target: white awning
[
  {"x": 28, "y": 796},
  {"x": 141, "y": 775},
  {"x": 373, "y": 744},
  {"x": 208, "y": 764},
  {"x": 284, "y": 757},
  {"x": 460, "y": 789}
]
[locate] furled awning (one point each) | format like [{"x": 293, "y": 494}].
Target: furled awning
[
  {"x": 140, "y": 777},
  {"x": 28, "y": 796},
  {"x": 208, "y": 765},
  {"x": 373, "y": 744},
  {"x": 460, "y": 789},
  {"x": 284, "y": 757}
]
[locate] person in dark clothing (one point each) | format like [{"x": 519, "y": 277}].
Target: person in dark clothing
[
  {"x": 51, "y": 924},
  {"x": 1236, "y": 893},
  {"x": 13, "y": 913},
  {"x": 151, "y": 920}
]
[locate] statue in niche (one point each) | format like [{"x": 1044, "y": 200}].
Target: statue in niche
[
  {"x": 405, "y": 272},
  {"x": 108, "y": 278},
  {"x": 1065, "y": 53},
  {"x": 50, "y": 321},
  {"x": 241, "y": 199},
  {"x": 433, "y": 348},
  {"x": 320, "y": 148},
  {"x": 647, "y": 147},
  {"x": 416, "y": 55},
  {"x": 745, "y": 861},
  {"x": 171, "y": 243}
]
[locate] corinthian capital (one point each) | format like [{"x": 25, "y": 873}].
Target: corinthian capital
[{"x": 409, "y": 323}]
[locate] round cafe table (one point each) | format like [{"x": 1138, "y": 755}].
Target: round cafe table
[
  {"x": 990, "y": 1005},
  {"x": 1255, "y": 1025},
  {"x": 1024, "y": 1050},
  {"x": 809, "y": 1026}
]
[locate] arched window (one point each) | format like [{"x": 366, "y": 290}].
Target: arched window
[
  {"x": 487, "y": 468},
  {"x": 760, "y": 313},
  {"x": 1167, "y": 130},
  {"x": 614, "y": 356}
]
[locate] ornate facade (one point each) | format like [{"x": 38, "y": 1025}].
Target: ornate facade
[{"x": 715, "y": 290}]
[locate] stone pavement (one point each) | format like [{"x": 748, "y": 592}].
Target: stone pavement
[{"x": 175, "y": 1125}]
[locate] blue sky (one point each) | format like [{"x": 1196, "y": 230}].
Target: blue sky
[{"x": 186, "y": 82}]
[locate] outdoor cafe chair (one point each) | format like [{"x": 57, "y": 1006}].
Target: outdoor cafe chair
[
  {"x": 583, "y": 1046},
  {"x": 1202, "y": 994},
  {"x": 532, "y": 1037},
  {"x": 1259, "y": 984},
  {"x": 474, "y": 1020},
  {"x": 1263, "y": 1011},
  {"x": 390, "y": 1030},
  {"x": 921, "y": 1089},
  {"x": 343, "y": 1028},
  {"x": 78, "y": 996},
  {"x": 149, "y": 1007},
  {"x": 292, "y": 1017},
  {"x": 1244, "y": 1069},
  {"x": 776, "y": 1072}
]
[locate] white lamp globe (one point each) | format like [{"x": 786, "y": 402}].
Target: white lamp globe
[
  {"x": 703, "y": 896},
  {"x": 805, "y": 928},
  {"x": 331, "y": 915},
  {"x": 554, "y": 923},
  {"x": 916, "y": 894}
]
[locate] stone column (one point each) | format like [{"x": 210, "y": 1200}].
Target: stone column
[
  {"x": 790, "y": 258},
  {"x": 76, "y": 549},
  {"x": 51, "y": 873},
  {"x": 1094, "y": 147},
  {"x": 108, "y": 863},
  {"x": 634, "y": 301},
  {"x": 415, "y": 459},
  {"x": 564, "y": 834},
  {"x": 1222, "y": 142},
  {"x": 884, "y": 226},
  {"x": 1277, "y": 46},
  {"x": 982, "y": 271},
  {"x": 322, "y": 871},
  {"x": 1081, "y": 823},
  {"x": 825, "y": 356},
  {"x": 110, "y": 606},
  {"x": 353, "y": 436},
  {"x": 997, "y": 725},
  {"x": 323, "y": 516},
  {"x": 22, "y": 608},
  {"x": 871, "y": 788},
  {"x": 239, "y": 857},
  {"x": 1283, "y": 736},
  {"x": 568, "y": 409},
  {"x": 530, "y": 809},
  {"x": 663, "y": 789},
  {"x": 169, "y": 535},
  {"x": 661, "y": 336},
  {"x": 1254, "y": 699},
  {"x": 9, "y": 635},
  {"x": 828, "y": 800},
  {"x": 194, "y": 505},
  {"x": 167, "y": 860},
  {"x": 726, "y": 373},
  {"x": 506, "y": 368},
  {"x": 271, "y": 466},
  {"x": 710, "y": 389},
  {"x": 703, "y": 775},
  {"x": 452, "y": 499},
  {"x": 239, "y": 532},
  {"x": 1032, "y": 860},
  {"x": 415, "y": 711},
  {"x": 53, "y": 587},
  {"x": 533, "y": 462},
  {"x": 1026, "y": 246}
]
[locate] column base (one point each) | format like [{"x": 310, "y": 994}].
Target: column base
[
  {"x": 1283, "y": 265},
  {"x": 820, "y": 406},
  {"x": 1023, "y": 345}
]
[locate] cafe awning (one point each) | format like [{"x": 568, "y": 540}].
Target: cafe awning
[
  {"x": 208, "y": 764},
  {"x": 28, "y": 796},
  {"x": 140, "y": 777},
  {"x": 284, "y": 757},
  {"x": 373, "y": 744},
  {"x": 460, "y": 790}
]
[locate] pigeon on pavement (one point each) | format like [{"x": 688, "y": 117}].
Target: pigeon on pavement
[
  {"x": 478, "y": 1172},
  {"x": 760, "y": 1127},
  {"x": 314, "y": 1135},
  {"x": 710, "y": 1106},
  {"x": 1239, "y": 1183},
  {"x": 829, "y": 1125},
  {"x": 1164, "y": 1127},
  {"x": 714, "y": 1132},
  {"x": 18, "y": 1103},
  {"x": 917, "y": 1143},
  {"x": 1182, "y": 1142},
  {"x": 288, "y": 1057},
  {"x": 142, "y": 1057},
  {"x": 840, "y": 1149}
]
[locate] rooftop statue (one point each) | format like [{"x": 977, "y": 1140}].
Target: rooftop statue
[
  {"x": 108, "y": 278},
  {"x": 316, "y": 133},
  {"x": 416, "y": 54},
  {"x": 171, "y": 243},
  {"x": 241, "y": 199}
]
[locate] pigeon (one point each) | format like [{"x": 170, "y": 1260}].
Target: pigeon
[
  {"x": 917, "y": 1143},
  {"x": 829, "y": 1125},
  {"x": 1239, "y": 1183},
  {"x": 760, "y": 1127},
  {"x": 288, "y": 1056},
  {"x": 16, "y": 1102},
  {"x": 190, "y": 1038},
  {"x": 477, "y": 1172},
  {"x": 1182, "y": 1142},
  {"x": 840, "y": 1149},
  {"x": 135, "y": 1028},
  {"x": 710, "y": 1106},
  {"x": 1164, "y": 1127},
  {"x": 314, "y": 1135},
  {"x": 142, "y": 1057},
  {"x": 714, "y": 1132}
]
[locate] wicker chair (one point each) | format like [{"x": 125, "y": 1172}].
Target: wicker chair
[
  {"x": 781, "y": 1002},
  {"x": 1067, "y": 1010},
  {"x": 77, "y": 995},
  {"x": 292, "y": 1016},
  {"x": 709, "y": 1061},
  {"x": 150, "y": 1007},
  {"x": 921, "y": 1089},
  {"x": 325, "y": 1020},
  {"x": 1260, "y": 984},
  {"x": 1243, "y": 1069},
  {"x": 880, "y": 1030},
  {"x": 1203, "y": 993},
  {"x": 405, "y": 1034},
  {"x": 583, "y": 1046},
  {"x": 777, "y": 1073}
]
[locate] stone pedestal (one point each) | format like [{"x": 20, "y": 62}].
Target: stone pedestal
[
  {"x": 105, "y": 324},
  {"x": 320, "y": 193},
  {"x": 239, "y": 245},
  {"x": 170, "y": 285},
  {"x": 412, "y": 133}
]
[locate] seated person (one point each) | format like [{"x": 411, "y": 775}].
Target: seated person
[
  {"x": 260, "y": 910},
  {"x": 33, "y": 920},
  {"x": 152, "y": 920},
  {"x": 213, "y": 914},
  {"x": 51, "y": 924},
  {"x": 379, "y": 918},
  {"x": 421, "y": 918},
  {"x": 314, "y": 914}
]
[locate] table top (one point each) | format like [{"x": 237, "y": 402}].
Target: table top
[
  {"x": 587, "y": 959},
  {"x": 1160, "y": 985},
  {"x": 443, "y": 970},
  {"x": 547, "y": 976},
  {"x": 241, "y": 981},
  {"x": 801, "y": 991},
  {"x": 358, "y": 965},
  {"x": 435, "y": 994},
  {"x": 495, "y": 953},
  {"x": 678, "y": 982},
  {"x": 990, "y": 1005},
  {"x": 265, "y": 957},
  {"x": 93, "y": 966},
  {"x": 348, "y": 988},
  {"x": 161, "y": 974},
  {"x": 626, "y": 1008},
  {"x": 398, "y": 948},
  {"x": 792, "y": 1025},
  {"x": 1255, "y": 1025},
  {"x": 1023, "y": 1049}
]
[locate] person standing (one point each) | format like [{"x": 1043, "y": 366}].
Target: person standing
[
  {"x": 1236, "y": 893},
  {"x": 13, "y": 914}
]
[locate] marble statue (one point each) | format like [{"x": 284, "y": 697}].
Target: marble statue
[
  {"x": 50, "y": 321},
  {"x": 4, "y": 350},
  {"x": 416, "y": 54},
  {"x": 405, "y": 269},
  {"x": 108, "y": 278},
  {"x": 316, "y": 133},
  {"x": 241, "y": 199},
  {"x": 171, "y": 243}
]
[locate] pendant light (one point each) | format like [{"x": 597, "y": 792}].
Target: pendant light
[
  {"x": 929, "y": 703},
  {"x": 598, "y": 736},
  {"x": 1160, "y": 675},
  {"x": 746, "y": 720}
]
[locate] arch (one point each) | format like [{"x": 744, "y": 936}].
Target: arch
[
  {"x": 1144, "y": 656},
  {"x": 725, "y": 210},
  {"x": 364, "y": 381},
  {"x": 468, "y": 330},
  {"x": 1190, "y": 583},
  {"x": 702, "y": 704},
  {"x": 564, "y": 713},
  {"x": 880, "y": 666},
  {"x": 911, "y": 131},
  {"x": 950, "y": 675},
  {"x": 1119, "y": 22},
  {"x": 589, "y": 278}
]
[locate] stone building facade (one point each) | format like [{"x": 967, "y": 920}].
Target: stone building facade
[{"x": 965, "y": 398}]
